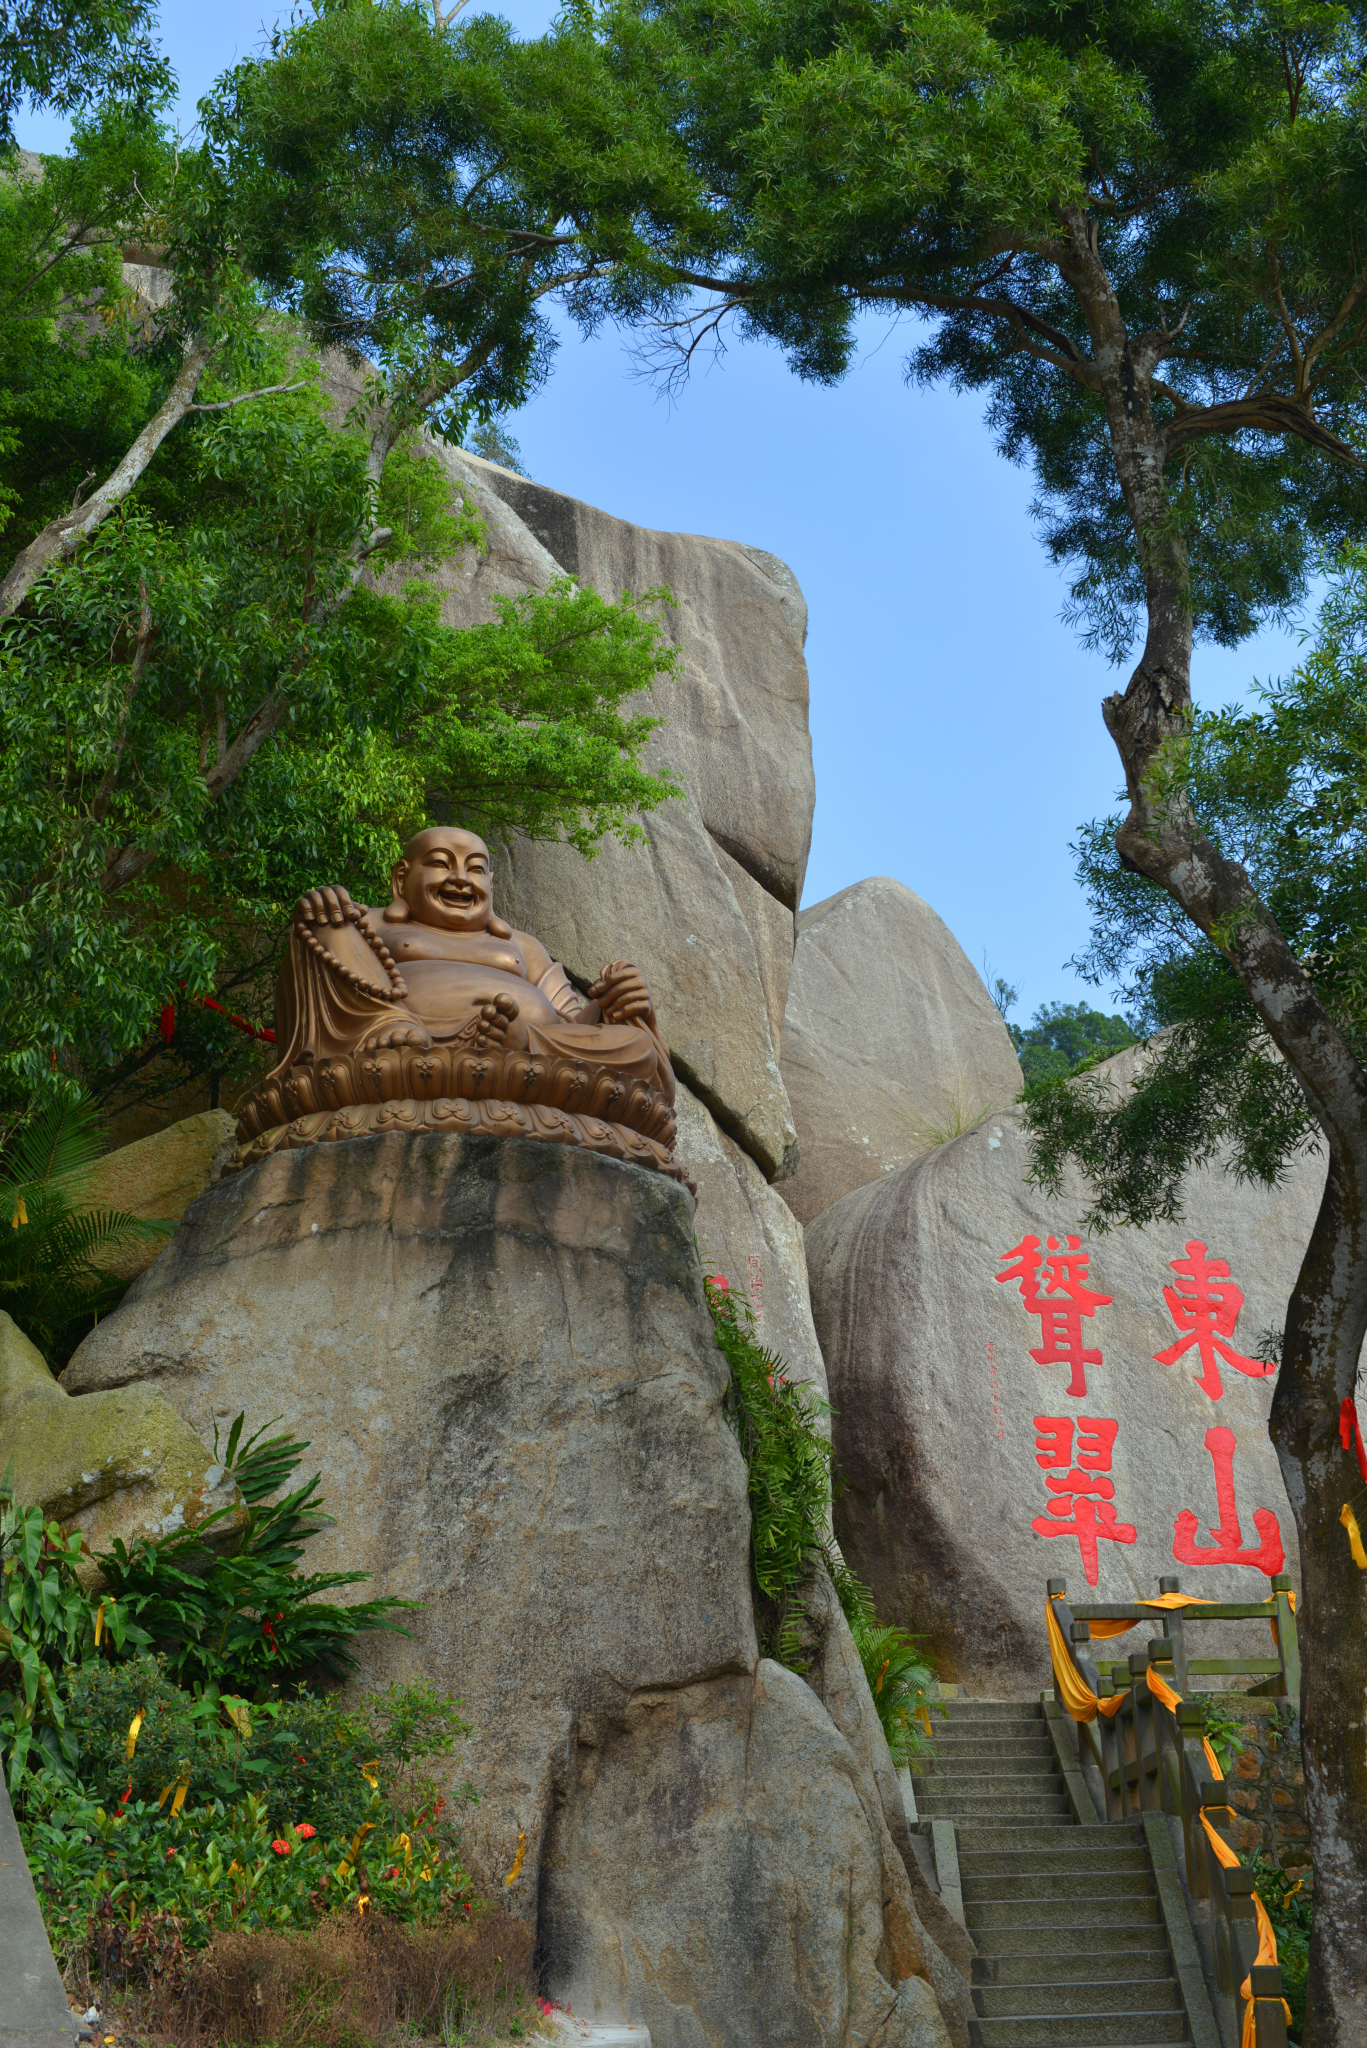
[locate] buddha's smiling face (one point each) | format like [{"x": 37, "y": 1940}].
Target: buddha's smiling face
[{"x": 444, "y": 878}]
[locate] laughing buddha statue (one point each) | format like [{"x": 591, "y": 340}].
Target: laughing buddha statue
[{"x": 434, "y": 1014}]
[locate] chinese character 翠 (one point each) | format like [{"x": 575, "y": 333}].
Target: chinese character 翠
[
  {"x": 1205, "y": 1304},
  {"x": 1082, "y": 1491},
  {"x": 1065, "y": 1300}
]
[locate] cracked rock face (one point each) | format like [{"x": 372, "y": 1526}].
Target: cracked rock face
[{"x": 502, "y": 1360}]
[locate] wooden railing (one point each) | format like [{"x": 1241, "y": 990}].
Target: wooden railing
[{"x": 1151, "y": 1757}]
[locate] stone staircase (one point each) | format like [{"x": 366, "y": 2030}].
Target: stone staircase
[{"x": 1071, "y": 1922}]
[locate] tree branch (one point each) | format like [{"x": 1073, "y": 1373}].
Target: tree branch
[
  {"x": 63, "y": 535},
  {"x": 1265, "y": 413},
  {"x": 227, "y": 404}
]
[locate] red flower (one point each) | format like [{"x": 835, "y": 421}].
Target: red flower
[
  {"x": 304, "y": 1830},
  {"x": 281, "y": 1848},
  {"x": 169, "y": 1854}
]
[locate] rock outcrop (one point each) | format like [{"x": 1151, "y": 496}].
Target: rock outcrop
[
  {"x": 706, "y": 905},
  {"x": 747, "y": 1234},
  {"x": 976, "y": 1470},
  {"x": 500, "y": 1356},
  {"x": 890, "y": 1042},
  {"x": 158, "y": 1177},
  {"x": 118, "y": 1464}
]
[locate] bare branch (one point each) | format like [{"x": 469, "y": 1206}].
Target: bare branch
[
  {"x": 266, "y": 391},
  {"x": 63, "y": 535},
  {"x": 1264, "y": 413}
]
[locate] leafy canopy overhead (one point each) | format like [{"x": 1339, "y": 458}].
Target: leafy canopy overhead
[
  {"x": 1062, "y": 1038},
  {"x": 973, "y": 165},
  {"x": 1281, "y": 788}
]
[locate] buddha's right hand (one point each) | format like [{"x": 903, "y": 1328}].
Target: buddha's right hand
[{"x": 326, "y": 906}]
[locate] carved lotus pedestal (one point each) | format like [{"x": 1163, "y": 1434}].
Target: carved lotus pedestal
[{"x": 464, "y": 1092}]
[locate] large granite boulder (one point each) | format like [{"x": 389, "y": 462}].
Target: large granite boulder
[
  {"x": 501, "y": 1358},
  {"x": 890, "y": 1042},
  {"x": 1006, "y": 1411},
  {"x": 749, "y": 1236},
  {"x": 706, "y": 905},
  {"x": 120, "y": 1464},
  {"x": 158, "y": 1177}
]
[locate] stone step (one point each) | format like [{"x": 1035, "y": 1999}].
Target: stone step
[
  {"x": 972, "y": 1839},
  {"x": 987, "y": 1776},
  {"x": 995, "y": 1762},
  {"x": 953, "y": 1742},
  {"x": 1042, "y": 1947},
  {"x": 1086, "y": 1966},
  {"x": 1056, "y": 1884},
  {"x": 1132, "y": 2029},
  {"x": 1017, "y": 1712},
  {"x": 1018, "y": 1862},
  {"x": 1050, "y": 1913},
  {"x": 1015, "y": 2001},
  {"x": 938, "y": 1805}
]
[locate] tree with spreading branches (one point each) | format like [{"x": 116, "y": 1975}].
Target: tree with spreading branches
[{"x": 1138, "y": 230}]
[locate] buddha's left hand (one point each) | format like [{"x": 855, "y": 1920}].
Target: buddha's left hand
[{"x": 622, "y": 995}]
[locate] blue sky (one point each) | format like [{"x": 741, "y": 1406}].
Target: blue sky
[{"x": 955, "y": 720}]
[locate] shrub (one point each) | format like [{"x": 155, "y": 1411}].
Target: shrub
[{"x": 901, "y": 1682}]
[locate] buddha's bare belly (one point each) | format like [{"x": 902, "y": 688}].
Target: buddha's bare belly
[{"x": 447, "y": 993}]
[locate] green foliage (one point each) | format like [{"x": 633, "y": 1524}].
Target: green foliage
[
  {"x": 47, "y": 1622},
  {"x": 1290, "y": 1908},
  {"x": 1281, "y": 789},
  {"x": 1225, "y": 1725},
  {"x": 788, "y": 1462},
  {"x": 508, "y": 172},
  {"x": 66, "y": 53},
  {"x": 857, "y": 156},
  {"x": 250, "y": 1619},
  {"x": 491, "y": 439},
  {"x": 204, "y": 715},
  {"x": 307, "y": 1815},
  {"x": 903, "y": 1685},
  {"x": 51, "y": 1242},
  {"x": 1067, "y": 1038}
]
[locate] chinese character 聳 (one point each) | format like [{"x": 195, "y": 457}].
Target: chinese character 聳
[
  {"x": 1062, "y": 1303},
  {"x": 1083, "y": 1493},
  {"x": 1205, "y": 1306}
]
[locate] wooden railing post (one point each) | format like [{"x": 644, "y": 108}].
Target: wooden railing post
[
  {"x": 1173, "y": 1627},
  {"x": 1191, "y": 1775},
  {"x": 1288, "y": 1644},
  {"x": 1165, "y": 1743},
  {"x": 1141, "y": 1703}
]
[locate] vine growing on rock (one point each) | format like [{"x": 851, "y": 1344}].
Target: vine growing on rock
[{"x": 792, "y": 1476}]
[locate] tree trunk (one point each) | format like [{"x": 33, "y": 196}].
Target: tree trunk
[
  {"x": 62, "y": 536},
  {"x": 1327, "y": 1313}
]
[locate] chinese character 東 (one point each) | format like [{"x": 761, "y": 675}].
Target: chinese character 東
[{"x": 1205, "y": 1305}]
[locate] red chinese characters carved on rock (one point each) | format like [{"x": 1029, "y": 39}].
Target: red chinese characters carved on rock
[
  {"x": 1205, "y": 1306},
  {"x": 1268, "y": 1556},
  {"x": 1082, "y": 1505},
  {"x": 1060, "y": 1305}
]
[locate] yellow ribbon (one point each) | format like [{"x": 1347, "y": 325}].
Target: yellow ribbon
[
  {"x": 1350, "y": 1523},
  {"x": 180, "y": 1787},
  {"x": 362, "y": 1831},
  {"x": 516, "y": 1871},
  {"x": 1078, "y": 1698},
  {"x": 134, "y": 1729}
]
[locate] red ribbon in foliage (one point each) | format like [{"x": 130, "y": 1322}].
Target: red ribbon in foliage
[
  {"x": 168, "y": 1021},
  {"x": 1350, "y": 1433}
]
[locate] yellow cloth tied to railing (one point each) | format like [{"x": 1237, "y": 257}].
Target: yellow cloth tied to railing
[
  {"x": 1077, "y": 1696},
  {"x": 1267, "y": 1939}
]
